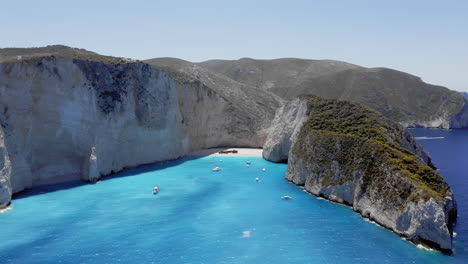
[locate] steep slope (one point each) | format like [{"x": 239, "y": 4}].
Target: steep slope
[
  {"x": 249, "y": 109},
  {"x": 350, "y": 154},
  {"x": 460, "y": 120},
  {"x": 81, "y": 116},
  {"x": 399, "y": 96},
  {"x": 284, "y": 129},
  {"x": 279, "y": 74},
  {"x": 242, "y": 94}
]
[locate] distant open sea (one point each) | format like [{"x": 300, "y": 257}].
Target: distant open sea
[
  {"x": 449, "y": 151},
  {"x": 201, "y": 216}
]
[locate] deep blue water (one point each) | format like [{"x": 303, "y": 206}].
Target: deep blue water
[
  {"x": 201, "y": 216},
  {"x": 449, "y": 151}
]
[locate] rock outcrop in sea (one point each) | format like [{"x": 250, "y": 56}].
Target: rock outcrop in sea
[{"x": 350, "y": 154}]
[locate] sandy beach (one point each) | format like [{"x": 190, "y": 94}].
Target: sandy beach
[{"x": 241, "y": 152}]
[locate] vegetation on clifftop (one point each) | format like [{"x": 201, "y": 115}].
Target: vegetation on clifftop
[
  {"x": 369, "y": 143},
  {"x": 60, "y": 51},
  {"x": 344, "y": 117}
]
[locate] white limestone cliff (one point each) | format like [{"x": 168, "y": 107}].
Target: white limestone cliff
[
  {"x": 284, "y": 129},
  {"x": 65, "y": 119}
]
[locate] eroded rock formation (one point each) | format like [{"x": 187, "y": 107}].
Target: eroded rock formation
[
  {"x": 80, "y": 117},
  {"x": 350, "y": 154}
]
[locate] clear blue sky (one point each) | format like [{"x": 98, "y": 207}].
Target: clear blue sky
[{"x": 424, "y": 37}]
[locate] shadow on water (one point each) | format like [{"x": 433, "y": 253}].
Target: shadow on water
[
  {"x": 47, "y": 188},
  {"x": 127, "y": 172}
]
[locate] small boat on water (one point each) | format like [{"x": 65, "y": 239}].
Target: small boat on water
[
  {"x": 287, "y": 197},
  {"x": 248, "y": 162},
  {"x": 155, "y": 189},
  {"x": 216, "y": 169}
]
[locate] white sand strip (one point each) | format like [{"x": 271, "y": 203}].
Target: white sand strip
[{"x": 241, "y": 152}]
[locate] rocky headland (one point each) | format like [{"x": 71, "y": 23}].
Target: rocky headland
[{"x": 350, "y": 154}]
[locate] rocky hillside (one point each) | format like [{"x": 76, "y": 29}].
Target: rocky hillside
[
  {"x": 397, "y": 95},
  {"x": 248, "y": 98},
  {"x": 71, "y": 114},
  {"x": 350, "y": 154},
  {"x": 279, "y": 75}
]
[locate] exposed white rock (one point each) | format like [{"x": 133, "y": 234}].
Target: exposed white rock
[
  {"x": 284, "y": 129},
  {"x": 289, "y": 120},
  {"x": 444, "y": 119},
  {"x": 65, "y": 119},
  {"x": 425, "y": 221},
  {"x": 439, "y": 122},
  {"x": 5, "y": 172}
]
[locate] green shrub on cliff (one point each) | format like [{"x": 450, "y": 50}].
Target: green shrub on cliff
[
  {"x": 370, "y": 143},
  {"x": 349, "y": 118}
]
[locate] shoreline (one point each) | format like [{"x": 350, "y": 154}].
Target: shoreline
[
  {"x": 417, "y": 242},
  {"x": 9, "y": 207},
  {"x": 214, "y": 152},
  {"x": 208, "y": 152}
]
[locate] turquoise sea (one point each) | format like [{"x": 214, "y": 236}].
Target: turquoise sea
[{"x": 201, "y": 216}]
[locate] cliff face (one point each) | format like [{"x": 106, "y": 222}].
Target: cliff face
[
  {"x": 284, "y": 130},
  {"x": 460, "y": 120},
  {"x": 246, "y": 114},
  {"x": 79, "y": 120},
  {"x": 350, "y": 154},
  {"x": 5, "y": 172},
  {"x": 64, "y": 118},
  {"x": 289, "y": 120}
]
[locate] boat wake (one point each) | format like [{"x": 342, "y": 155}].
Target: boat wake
[{"x": 425, "y": 138}]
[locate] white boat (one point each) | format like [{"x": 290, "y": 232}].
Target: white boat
[
  {"x": 216, "y": 169},
  {"x": 155, "y": 189}
]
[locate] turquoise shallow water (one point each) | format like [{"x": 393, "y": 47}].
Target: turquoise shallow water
[{"x": 199, "y": 216}]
